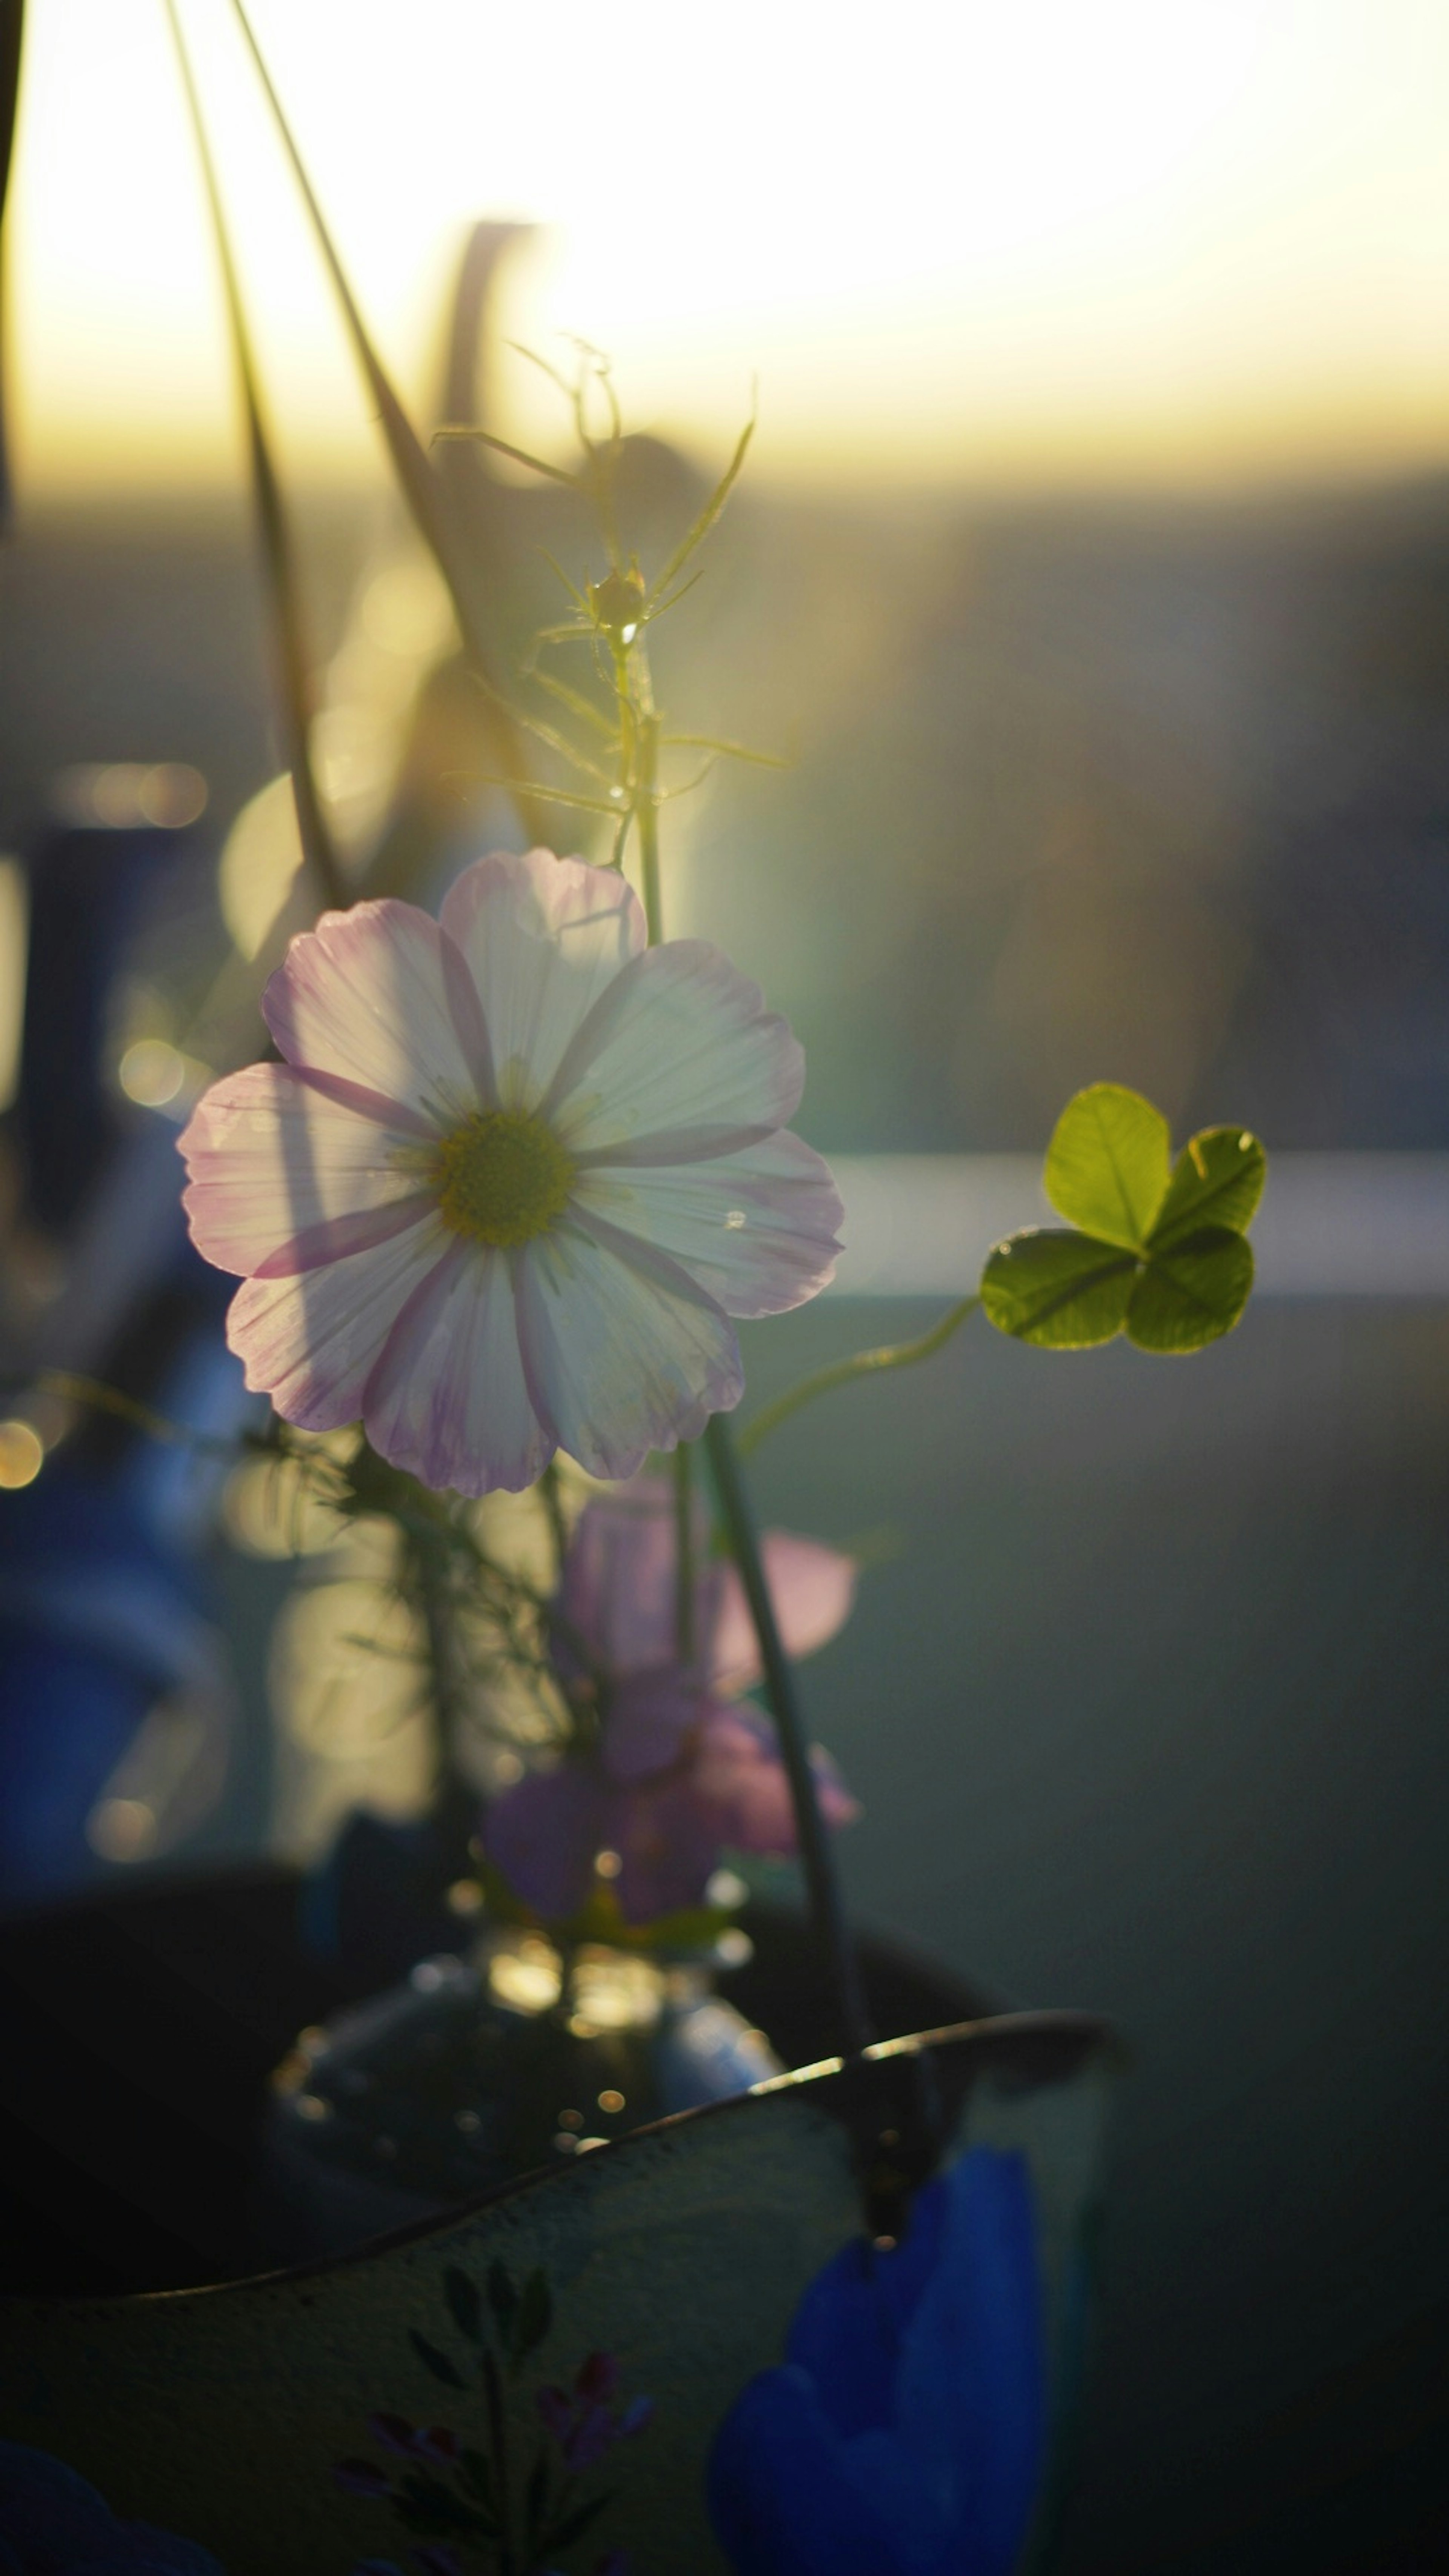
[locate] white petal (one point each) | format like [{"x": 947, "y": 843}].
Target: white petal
[
  {"x": 543, "y": 939},
  {"x": 275, "y": 1163},
  {"x": 757, "y": 1229},
  {"x": 311, "y": 1341},
  {"x": 447, "y": 1399},
  {"x": 682, "y": 1048},
  {"x": 374, "y": 997},
  {"x": 622, "y": 1354}
]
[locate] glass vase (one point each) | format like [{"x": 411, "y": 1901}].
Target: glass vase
[{"x": 478, "y": 2068}]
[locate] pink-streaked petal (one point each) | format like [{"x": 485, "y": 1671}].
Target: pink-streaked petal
[
  {"x": 648, "y": 1719},
  {"x": 543, "y": 939},
  {"x": 373, "y": 1106},
  {"x": 812, "y": 1588},
  {"x": 270, "y": 1161},
  {"x": 739, "y": 1777},
  {"x": 368, "y": 996},
  {"x": 618, "y": 1585},
  {"x": 312, "y": 1340},
  {"x": 680, "y": 1041},
  {"x": 544, "y": 1835},
  {"x": 318, "y": 1245},
  {"x": 757, "y": 1229},
  {"x": 621, "y": 1351},
  {"x": 447, "y": 1399}
]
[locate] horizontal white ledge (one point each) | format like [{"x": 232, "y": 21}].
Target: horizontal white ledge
[{"x": 1331, "y": 1225}]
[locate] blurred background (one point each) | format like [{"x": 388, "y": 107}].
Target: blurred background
[{"x": 1092, "y": 573}]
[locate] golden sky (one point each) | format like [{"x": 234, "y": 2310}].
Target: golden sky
[{"x": 1051, "y": 242}]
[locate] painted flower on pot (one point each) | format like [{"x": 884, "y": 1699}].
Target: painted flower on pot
[
  {"x": 54, "y": 2523},
  {"x": 513, "y": 1180},
  {"x": 905, "y": 2432},
  {"x": 680, "y": 1771},
  {"x": 483, "y": 2497}
]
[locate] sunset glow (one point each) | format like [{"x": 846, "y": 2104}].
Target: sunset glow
[{"x": 1037, "y": 245}]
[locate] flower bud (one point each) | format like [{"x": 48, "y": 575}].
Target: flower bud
[{"x": 617, "y": 601}]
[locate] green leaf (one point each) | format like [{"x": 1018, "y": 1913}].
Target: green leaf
[
  {"x": 1217, "y": 1180},
  {"x": 428, "y": 2508},
  {"x": 1107, "y": 1164},
  {"x": 463, "y": 429},
  {"x": 502, "y": 2298},
  {"x": 706, "y": 520},
  {"x": 278, "y": 548},
  {"x": 477, "y": 2471},
  {"x": 535, "y": 2315},
  {"x": 1191, "y": 1291},
  {"x": 1065, "y": 1292},
  {"x": 437, "y": 2362},
  {"x": 578, "y": 704},
  {"x": 575, "y": 2524},
  {"x": 464, "y": 2304},
  {"x": 730, "y": 750},
  {"x": 538, "y": 787},
  {"x": 420, "y": 486}
]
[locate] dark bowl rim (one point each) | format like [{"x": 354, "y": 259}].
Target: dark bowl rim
[{"x": 1046, "y": 2047}]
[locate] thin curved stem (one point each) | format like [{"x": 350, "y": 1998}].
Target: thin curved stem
[
  {"x": 69, "y": 1387},
  {"x": 646, "y": 814},
  {"x": 887, "y": 1355}
]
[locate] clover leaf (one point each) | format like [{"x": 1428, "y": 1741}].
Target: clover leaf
[
  {"x": 1107, "y": 1164},
  {"x": 1217, "y": 1180},
  {"x": 1156, "y": 1249}
]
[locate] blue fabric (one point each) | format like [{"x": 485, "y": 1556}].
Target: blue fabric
[
  {"x": 96, "y": 1620},
  {"x": 905, "y": 2434},
  {"x": 53, "y": 2523}
]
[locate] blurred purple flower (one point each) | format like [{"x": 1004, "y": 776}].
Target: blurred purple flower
[
  {"x": 905, "y": 2434},
  {"x": 680, "y": 1773},
  {"x": 53, "y": 2523}
]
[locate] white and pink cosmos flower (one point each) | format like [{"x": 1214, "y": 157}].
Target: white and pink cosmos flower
[{"x": 513, "y": 1180}]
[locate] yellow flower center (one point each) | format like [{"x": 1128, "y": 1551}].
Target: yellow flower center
[{"x": 502, "y": 1178}]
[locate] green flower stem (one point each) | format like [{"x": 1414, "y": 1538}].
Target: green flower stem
[
  {"x": 821, "y": 1881},
  {"x": 70, "y": 1388},
  {"x": 684, "y": 1639},
  {"x": 646, "y": 813},
  {"x": 498, "y": 2444},
  {"x": 549, "y": 1486},
  {"x": 278, "y": 550},
  {"x": 888, "y": 1355},
  {"x": 639, "y": 730},
  {"x": 445, "y": 1684}
]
